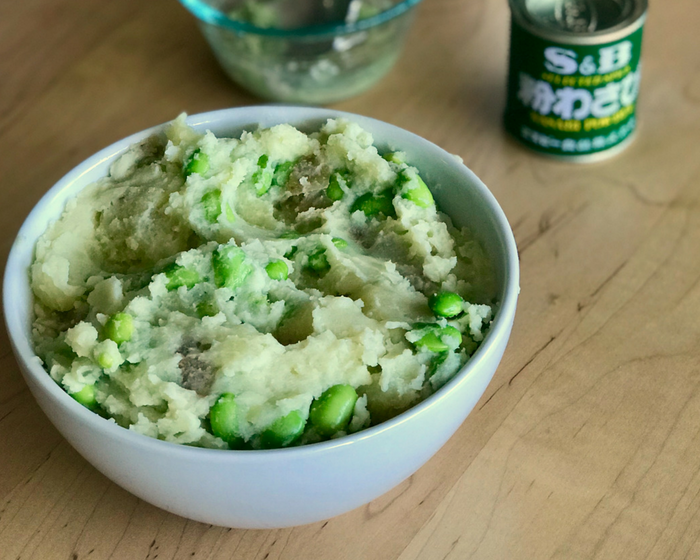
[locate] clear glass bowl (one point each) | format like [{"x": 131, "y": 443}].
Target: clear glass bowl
[{"x": 314, "y": 64}]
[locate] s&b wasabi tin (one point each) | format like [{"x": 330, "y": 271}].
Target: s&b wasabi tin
[{"x": 574, "y": 75}]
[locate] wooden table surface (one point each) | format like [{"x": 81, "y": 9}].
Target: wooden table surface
[{"x": 586, "y": 444}]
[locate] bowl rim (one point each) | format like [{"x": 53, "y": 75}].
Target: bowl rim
[
  {"x": 17, "y": 323},
  {"x": 207, "y": 13}
]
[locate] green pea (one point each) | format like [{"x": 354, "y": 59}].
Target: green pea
[
  {"x": 332, "y": 411},
  {"x": 230, "y": 268},
  {"x": 262, "y": 178},
  {"x": 198, "y": 163},
  {"x": 86, "y": 396},
  {"x": 211, "y": 203},
  {"x": 284, "y": 431},
  {"x": 339, "y": 242},
  {"x": 277, "y": 270},
  {"x": 282, "y": 173},
  {"x": 318, "y": 262},
  {"x": 420, "y": 195},
  {"x": 180, "y": 276},
  {"x": 446, "y": 304},
  {"x": 374, "y": 205},
  {"x": 223, "y": 418},
  {"x": 334, "y": 190},
  {"x": 119, "y": 327}
]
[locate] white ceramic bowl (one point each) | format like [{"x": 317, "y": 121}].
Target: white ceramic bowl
[{"x": 283, "y": 487}]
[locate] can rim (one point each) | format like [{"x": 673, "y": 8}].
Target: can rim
[{"x": 629, "y": 25}]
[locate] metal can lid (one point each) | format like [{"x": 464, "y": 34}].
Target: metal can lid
[{"x": 578, "y": 19}]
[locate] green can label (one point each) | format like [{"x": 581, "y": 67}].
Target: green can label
[{"x": 574, "y": 101}]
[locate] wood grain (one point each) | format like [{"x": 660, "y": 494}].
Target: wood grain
[{"x": 586, "y": 444}]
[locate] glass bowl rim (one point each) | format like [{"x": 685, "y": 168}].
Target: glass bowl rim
[{"x": 206, "y": 13}]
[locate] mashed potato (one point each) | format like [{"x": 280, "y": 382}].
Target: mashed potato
[{"x": 272, "y": 290}]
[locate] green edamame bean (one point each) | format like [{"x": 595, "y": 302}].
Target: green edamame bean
[
  {"x": 230, "y": 268},
  {"x": 198, "y": 163},
  {"x": 375, "y": 205},
  {"x": 223, "y": 418},
  {"x": 339, "y": 242},
  {"x": 284, "y": 431},
  {"x": 434, "y": 340},
  {"x": 430, "y": 342},
  {"x": 395, "y": 157},
  {"x": 290, "y": 235},
  {"x": 318, "y": 262},
  {"x": 119, "y": 327},
  {"x": 282, "y": 173},
  {"x": 334, "y": 190},
  {"x": 262, "y": 178},
  {"x": 230, "y": 216},
  {"x": 86, "y": 396},
  {"x": 446, "y": 304},
  {"x": 180, "y": 276},
  {"x": 277, "y": 270},
  {"x": 211, "y": 204},
  {"x": 451, "y": 332},
  {"x": 332, "y": 411},
  {"x": 105, "y": 360},
  {"x": 436, "y": 362},
  {"x": 420, "y": 194},
  {"x": 206, "y": 308},
  {"x": 107, "y": 356}
]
